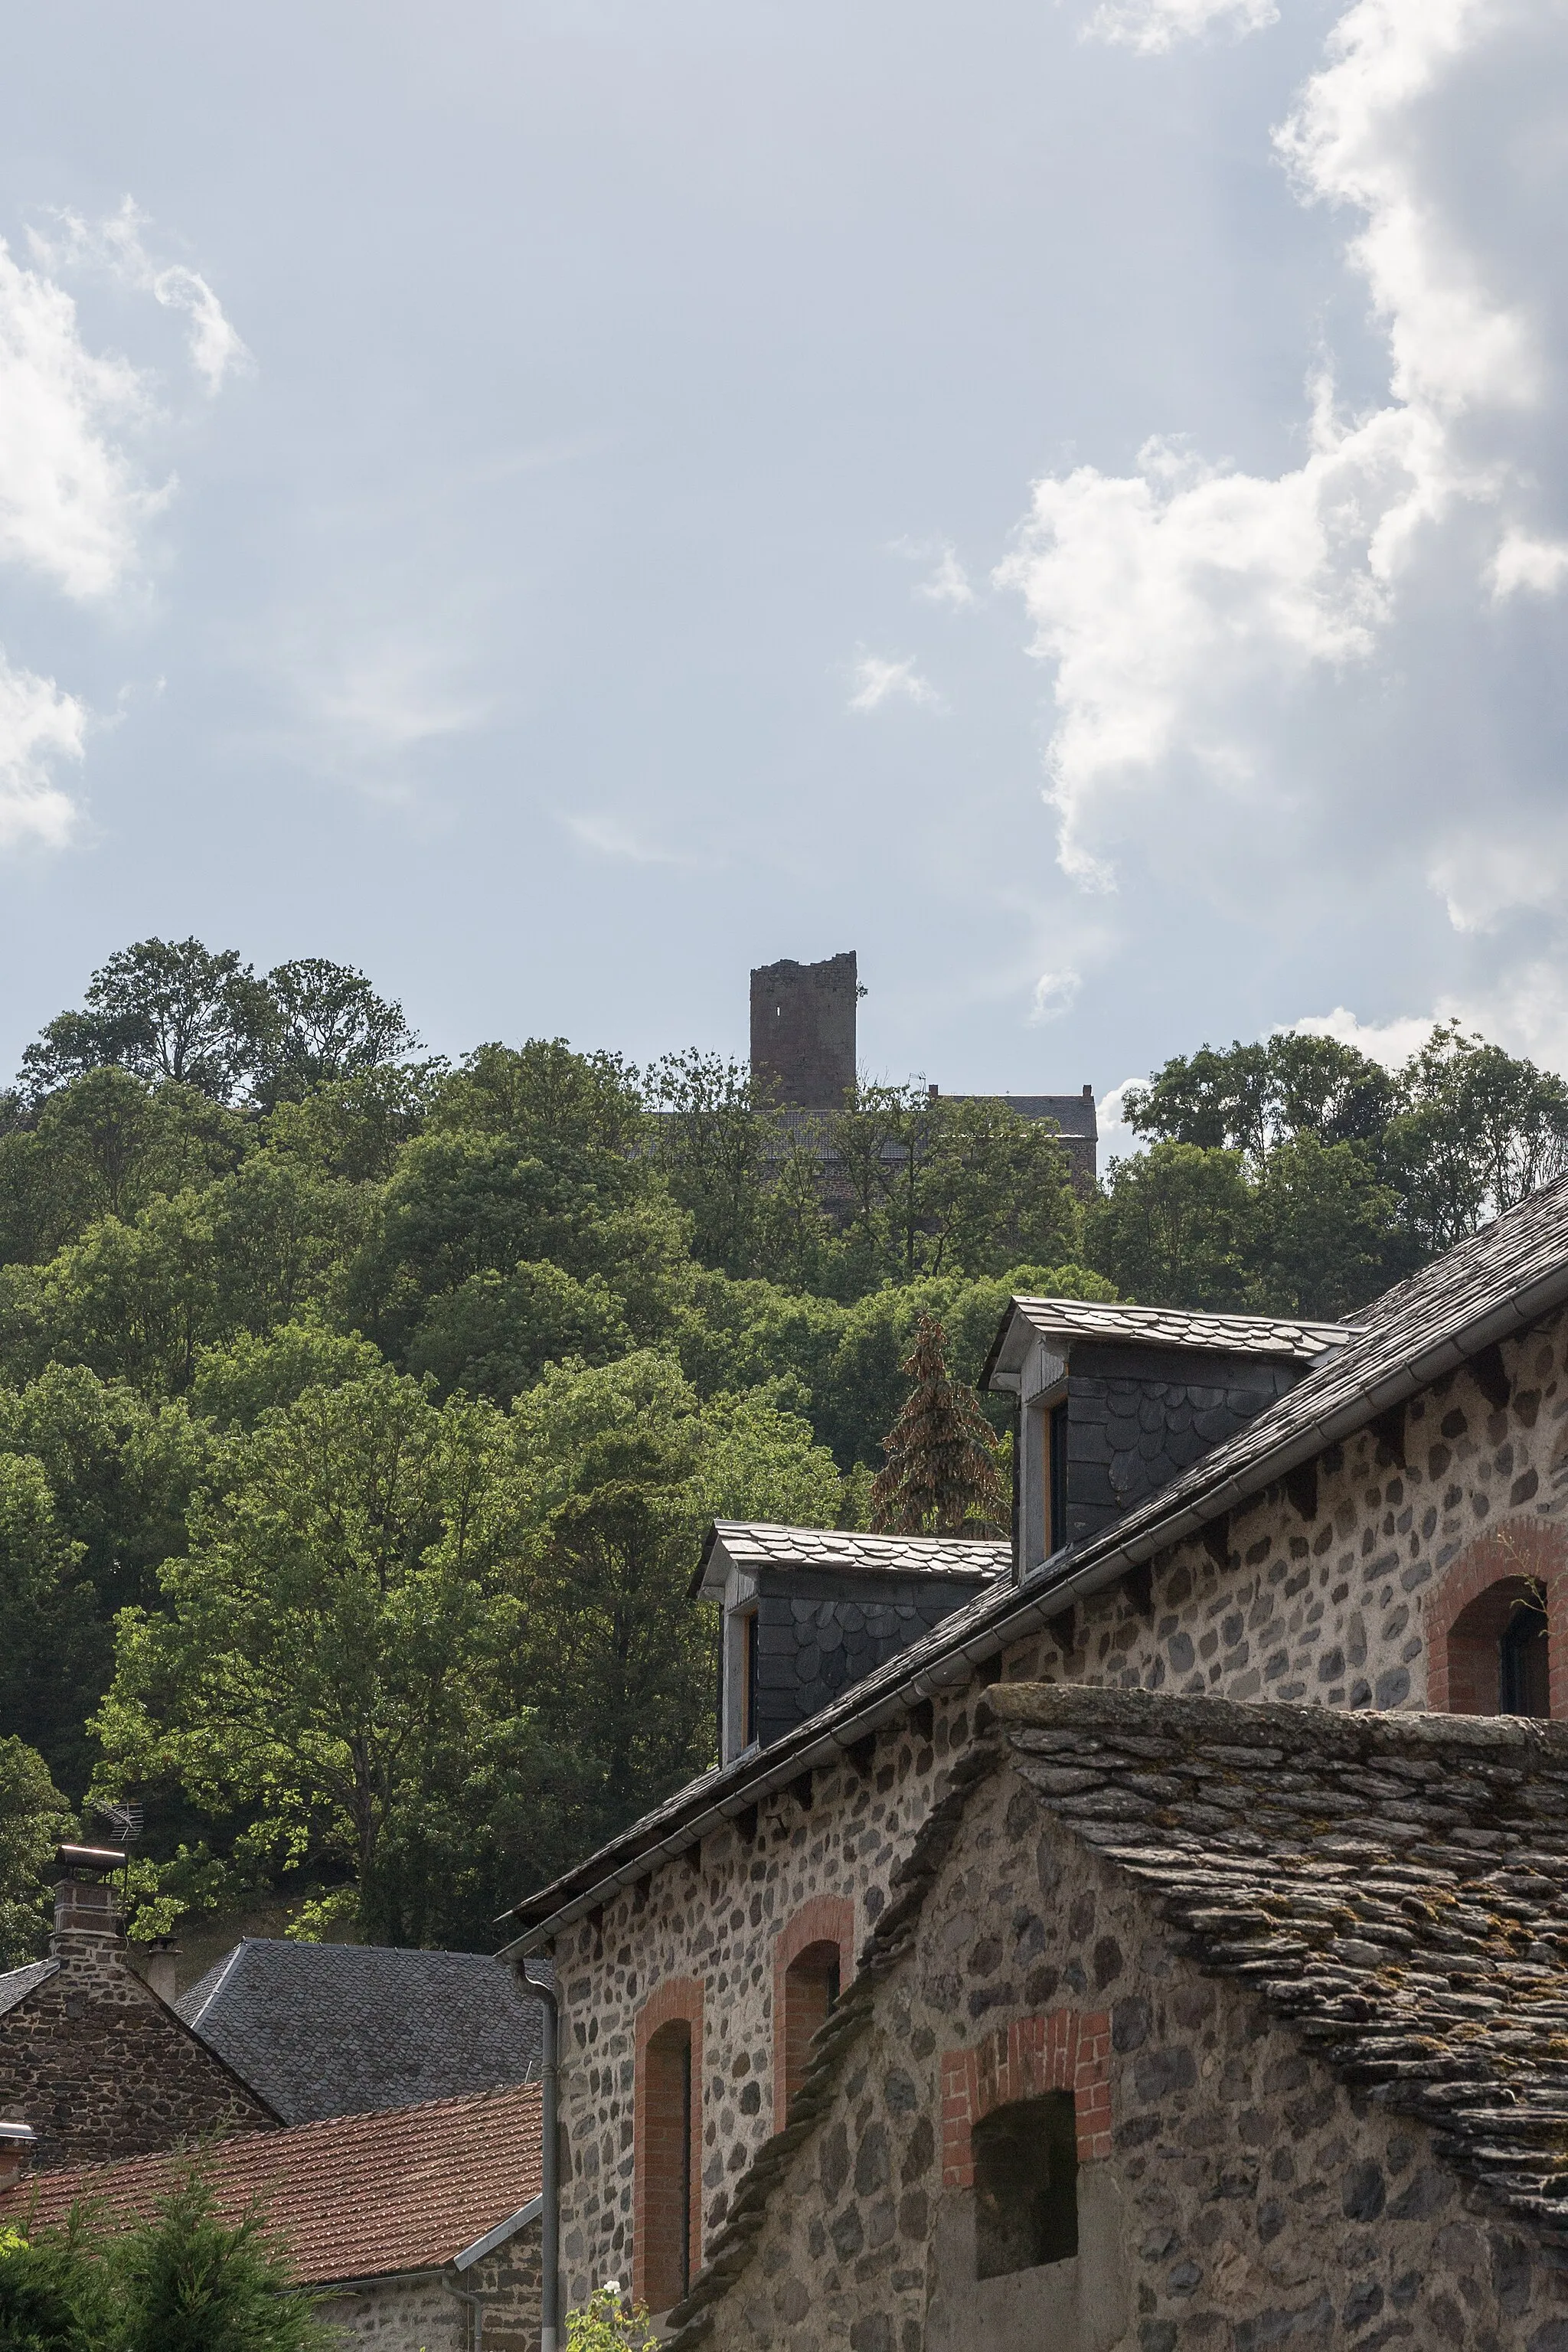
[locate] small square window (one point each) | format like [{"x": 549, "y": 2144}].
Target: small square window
[{"x": 1025, "y": 2185}]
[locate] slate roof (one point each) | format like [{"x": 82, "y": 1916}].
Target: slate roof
[
  {"x": 1496, "y": 1282},
  {"x": 1397, "y": 1885},
  {"x": 18, "y": 1983},
  {"x": 1394, "y": 1887},
  {"x": 354, "y": 2198},
  {"x": 751, "y": 1544},
  {"x": 340, "y": 2029},
  {"x": 1172, "y": 1327}
]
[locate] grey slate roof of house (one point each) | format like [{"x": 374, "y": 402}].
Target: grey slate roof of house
[
  {"x": 1494, "y": 1284},
  {"x": 18, "y": 1983},
  {"x": 1170, "y": 1327},
  {"x": 760, "y": 1545},
  {"x": 323, "y": 2029},
  {"x": 1395, "y": 1886}
]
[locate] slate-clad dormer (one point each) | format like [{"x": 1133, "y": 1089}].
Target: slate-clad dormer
[
  {"x": 808, "y": 1610},
  {"x": 1112, "y": 1401}
]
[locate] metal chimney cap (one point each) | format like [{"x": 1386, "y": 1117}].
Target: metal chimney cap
[
  {"x": 16, "y": 2135},
  {"x": 100, "y": 1858}
]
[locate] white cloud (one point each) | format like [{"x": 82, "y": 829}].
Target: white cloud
[
  {"x": 1205, "y": 624},
  {"x": 40, "y": 727},
  {"x": 1522, "y": 562},
  {"x": 1118, "y": 1140},
  {"x": 71, "y": 501},
  {"x": 1151, "y": 27},
  {"x": 391, "y": 695},
  {"x": 609, "y": 836},
  {"x": 1392, "y": 1042},
  {"x": 876, "y": 682},
  {"x": 1056, "y": 993},
  {"x": 116, "y": 244}
]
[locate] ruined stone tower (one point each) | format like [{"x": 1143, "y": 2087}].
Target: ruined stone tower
[{"x": 802, "y": 1030}]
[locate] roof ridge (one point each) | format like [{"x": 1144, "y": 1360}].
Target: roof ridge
[{"x": 225, "y": 1971}]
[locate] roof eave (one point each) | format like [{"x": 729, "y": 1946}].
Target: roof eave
[{"x": 499, "y": 2235}]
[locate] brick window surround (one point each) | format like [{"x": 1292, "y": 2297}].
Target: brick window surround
[
  {"x": 1520, "y": 1548},
  {"x": 656, "y": 2136},
  {"x": 1067, "y": 2050},
  {"x": 800, "y": 1994}
]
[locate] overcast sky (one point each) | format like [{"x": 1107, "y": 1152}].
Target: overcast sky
[{"x": 558, "y": 502}]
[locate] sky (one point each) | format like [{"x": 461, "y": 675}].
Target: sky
[{"x": 555, "y": 502}]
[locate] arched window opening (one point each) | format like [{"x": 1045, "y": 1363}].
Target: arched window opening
[
  {"x": 810, "y": 1991},
  {"x": 666, "y": 2149},
  {"x": 1025, "y": 2185},
  {"x": 1523, "y": 1678},
  {"x": 1498, "y": 1652}
]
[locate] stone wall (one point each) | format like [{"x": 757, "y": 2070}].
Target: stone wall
[
  {"x": 1321, "y": 1592},
  {"x": 100, "y": 2068},
  {"x": 1231, "y": 2194},
  {"x": 802, "y": 1030},
  {"x": 715, "y": 1914},
  {"x": 425, "y": 2312}
]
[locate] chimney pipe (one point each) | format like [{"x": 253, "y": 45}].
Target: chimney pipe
[
  {"x": 17, "y": 2144},
  {"x": 160, "y": 1968}
]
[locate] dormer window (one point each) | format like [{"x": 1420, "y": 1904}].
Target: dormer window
[
  {"x": 807, "y": 1612},
  {"x": 1113, "y": 1402}
]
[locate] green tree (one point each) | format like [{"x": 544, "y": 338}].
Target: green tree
[
  {"x": 34, "y": 1818},
  {"x": 326, "y": 1025},
  {"x": 337, "y": 1639},
  {"x": 163, "y": 1009},
  {"x": 714, "y": 1139},
  {"x": 55, "y": 1649},
  {"x": 192, "y": 2282},
  {"x": 106, "y": 1145},
  {"x": 493, "y": 1335},
  {"x": 1475, "y": 1132},
  {"x": 1252, "y": 1099},
  {"x": 1325, "y": 1233},
  {"x": 941, "y": 1475},
  {"x": 624, "y": 1467},
  {"x": 179, "y": 2279},
  {"x": 1175, "y": 1228}
]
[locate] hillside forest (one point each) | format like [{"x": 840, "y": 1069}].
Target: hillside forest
[{"x": 362, "y": 1411}]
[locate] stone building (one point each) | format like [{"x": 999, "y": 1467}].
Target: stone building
[
  {"x": 803, "y": 1034},
  {"x": 91, "y": 2059},
  {"x": 419, "y": 2228},
  {"x": 1233, "y": 1509}
]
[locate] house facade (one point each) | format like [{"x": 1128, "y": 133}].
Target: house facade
[
  {"x": 91, "y": 2059},
  {"x": 418, "y": 2227},
  {"x": 1362, "y": 1520}
]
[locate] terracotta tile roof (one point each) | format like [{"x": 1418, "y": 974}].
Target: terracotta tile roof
[
  {"x": 753, "y": 1544},
  {"x": 356, "y": 2197}
]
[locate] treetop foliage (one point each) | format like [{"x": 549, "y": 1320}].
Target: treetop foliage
[{"x": 362, "y": 1413}]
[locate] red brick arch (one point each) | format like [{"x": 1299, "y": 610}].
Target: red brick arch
[
  {"x": 1066, "y": 2050},
  {"x": 677, "y": 2001},
  {"x": 825, "y": 1919},
  {"x": 1535, "y": 1549}
]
